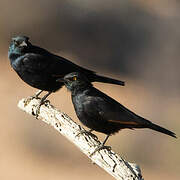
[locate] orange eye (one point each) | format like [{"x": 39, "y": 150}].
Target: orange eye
[{"x": 74, "y": 78}]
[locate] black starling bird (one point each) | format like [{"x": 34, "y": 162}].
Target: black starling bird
[
  {"x": 40, "y": 68},
  {"x": 100, "y": 112}
]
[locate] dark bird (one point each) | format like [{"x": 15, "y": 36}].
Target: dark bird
[
  {"x": 100, "y": 112},
  {"x": 40, "y": 68}
]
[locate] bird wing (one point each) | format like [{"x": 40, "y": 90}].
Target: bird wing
[
  {"x": 36, "y": 63},
  {"x": 65, "y": 66},
  {"x": 110, "y": 110},
  {"x": 53, "y": 65}
]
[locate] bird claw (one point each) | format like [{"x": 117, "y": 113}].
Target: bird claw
[
  {"x": 39, "y": 106},
  {"x": 34, "y": 97},
  {"x": 99, "y": 148},
  {"x": 87, "y": 133}
]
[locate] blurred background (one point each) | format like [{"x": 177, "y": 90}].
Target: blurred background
[{"x": 133, "y": 40}]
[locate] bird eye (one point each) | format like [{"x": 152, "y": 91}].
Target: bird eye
[{"x": 71, "y": 79}]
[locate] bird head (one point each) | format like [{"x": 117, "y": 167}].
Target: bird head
[
  {"x": 75, "y": 81},
  {"x": 18, "y": 45}
]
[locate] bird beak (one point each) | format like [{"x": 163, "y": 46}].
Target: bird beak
[
  {"x": 23, "y": 44},
  {"x": 60, "y": 80}
]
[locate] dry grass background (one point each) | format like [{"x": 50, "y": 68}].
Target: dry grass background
[{"x": 137, "y": 41}]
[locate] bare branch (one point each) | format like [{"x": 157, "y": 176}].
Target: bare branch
[{"x": 106, "y": 159}]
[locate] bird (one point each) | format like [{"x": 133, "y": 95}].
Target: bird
[
  {"x": 101, "y": 113},
  {"x": 40, "y": 68}
]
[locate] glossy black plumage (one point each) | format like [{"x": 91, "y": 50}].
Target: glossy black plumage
[
  {"x": 40, "y": 68},
  {"x": 100, "y": 112}
]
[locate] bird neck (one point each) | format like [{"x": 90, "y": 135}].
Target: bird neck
[{"x": 81, "y": 89}]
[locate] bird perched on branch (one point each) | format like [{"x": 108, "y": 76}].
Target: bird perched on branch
[
  {"x": 100, "y": 112},
  {"x": 40, "y": 68}
]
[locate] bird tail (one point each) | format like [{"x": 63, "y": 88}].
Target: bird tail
[
  {"x": 160, "y": 129},
  {"x": 103, "y": 79}
]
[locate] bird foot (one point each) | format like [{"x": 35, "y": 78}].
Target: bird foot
[
  {"x": 87, "y": 133},
  {"x": 99, "y": 148},
  {"x": 39, "y": 106},
  {"x": 34, "y": 97}
]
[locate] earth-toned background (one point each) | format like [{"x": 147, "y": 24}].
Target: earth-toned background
[{"x": 136, "y": 41}]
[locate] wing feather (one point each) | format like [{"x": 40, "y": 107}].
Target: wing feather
[{"x": 111, "y": 110}]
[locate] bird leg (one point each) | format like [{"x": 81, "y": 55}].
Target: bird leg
[
  {"x": 38, "y": 93},
  {"x": 36, "y": 96},
  {"x": 102, "y": 146},
  {"x": 87, "y": 133},
  {"x": 43, "y": 100}
]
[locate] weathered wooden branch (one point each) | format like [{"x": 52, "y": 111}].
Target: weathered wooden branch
[{"x": 106, "y": 159}]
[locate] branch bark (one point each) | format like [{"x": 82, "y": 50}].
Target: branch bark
[{"x": 106, "y": 159}]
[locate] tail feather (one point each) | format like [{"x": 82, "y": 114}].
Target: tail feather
[
  {"x": 108, "y": 80},
  {"x": 161, "y": 129}
]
